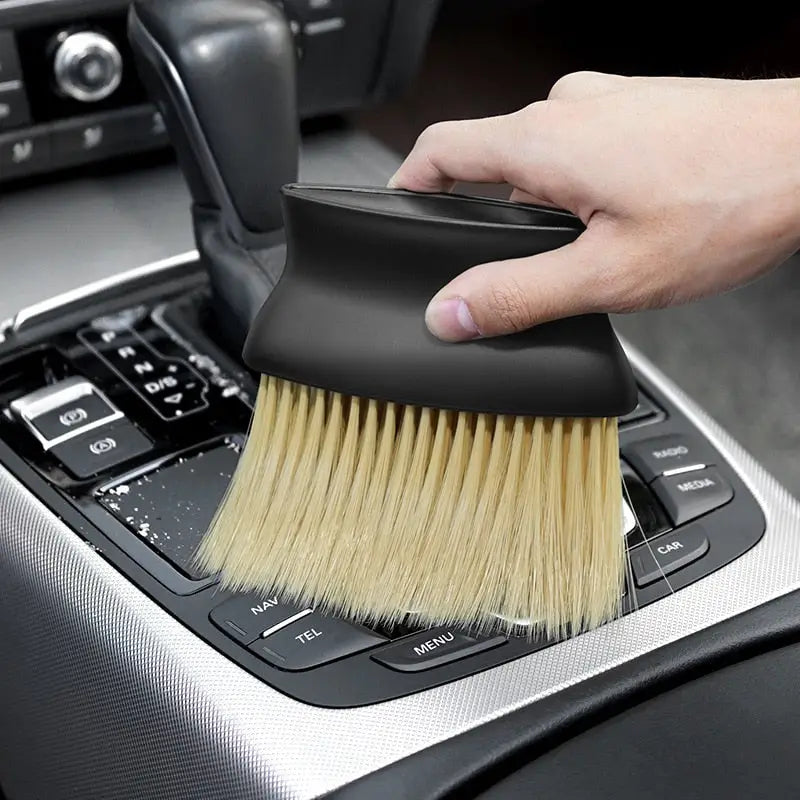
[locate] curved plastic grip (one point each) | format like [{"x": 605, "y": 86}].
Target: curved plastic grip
[
  {"x": 222, "y": 72},
  {"x": 348, "y": 312}
]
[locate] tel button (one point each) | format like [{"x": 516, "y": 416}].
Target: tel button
[
  {"x": 661, "y": 454},
  {"x": 667, "y": 554},
  {"x": 313, "y": 640},
  {"x": 433, "y": 648},
  {"x": 689, "y": 495}
]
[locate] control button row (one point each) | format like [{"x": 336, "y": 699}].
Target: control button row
[
  {"x": 76, "y": 140},
  {"x": 666, "y": 554},
  {"x": 293, "y": 638},
  {"x": 170, "y": 386},
  {"x": 288, "y": 636},
  {"x": 677, "y": 469},
  {"x": 63, "y": 410}
]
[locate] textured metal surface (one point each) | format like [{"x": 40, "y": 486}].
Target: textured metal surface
[{"x": 105, "y": 695}]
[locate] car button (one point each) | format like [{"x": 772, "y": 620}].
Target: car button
[
  {"x": 312, "y": 641},
  {"x": 91, "y": 453},
  {"x": 14, "y": 110},
  {"x": 433, "y": 648},
  {"x": 667, "y": 554},
  {"x": 9, "y": 58},
  {"x": 247, "y": 616},
  {"x": 88, "y": 137},
  {"x": 24, "y": 152},
  {"x": 689, "y": 495},
  {"x": 662, "y": 454}
]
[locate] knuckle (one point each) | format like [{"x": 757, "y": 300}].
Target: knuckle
[
  {"x": 433, "y": 134},
  {"x": 569, "y": 84}
]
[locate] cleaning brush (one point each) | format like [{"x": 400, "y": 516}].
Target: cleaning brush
[{"x": 388, "y": 474}]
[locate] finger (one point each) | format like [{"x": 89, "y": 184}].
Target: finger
[
  {"x": 508, "y": 296},
  {"x": 520, "y": 196},
  {"x": 579, "y": 85},
  {"x": 473, "y": 150}
]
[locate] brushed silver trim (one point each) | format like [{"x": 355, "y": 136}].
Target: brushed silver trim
[
  {"x": 33, "y": 313},
  {"x": 214, "y": 730}
]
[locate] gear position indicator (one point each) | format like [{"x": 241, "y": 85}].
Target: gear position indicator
[{"x": 170, "y": 386}]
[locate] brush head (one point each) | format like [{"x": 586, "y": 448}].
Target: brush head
[{"x": 362, "y": 264}]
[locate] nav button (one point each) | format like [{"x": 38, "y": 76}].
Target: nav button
[
  {"x": 434, "y": 648},
  {"x": 246, "y": 616}
]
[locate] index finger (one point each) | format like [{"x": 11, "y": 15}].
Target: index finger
[{"x": 474, "y": 150}]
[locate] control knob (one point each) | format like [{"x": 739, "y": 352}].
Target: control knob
[{"x": 87, "y": 66}]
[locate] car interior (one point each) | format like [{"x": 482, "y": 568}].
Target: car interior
[{"x": 143, "y": 147}]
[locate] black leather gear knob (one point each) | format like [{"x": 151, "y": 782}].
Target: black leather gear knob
[{"x": 222, "y": 72}]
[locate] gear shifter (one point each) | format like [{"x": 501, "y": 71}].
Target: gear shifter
[{"x": 222, "y": 73}]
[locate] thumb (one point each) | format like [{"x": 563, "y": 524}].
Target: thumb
[{"x": 508, "y": 296}]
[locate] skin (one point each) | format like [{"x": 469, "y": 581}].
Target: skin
[{"x": 687, "y": 187}]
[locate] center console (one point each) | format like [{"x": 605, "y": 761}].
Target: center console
[{"x": 127, "y": 671}]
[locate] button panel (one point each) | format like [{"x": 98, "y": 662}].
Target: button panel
[
  {"x": 689, "y": 495},
  {"x": 312, "y": 641},
  {"x": 434, "y": 648},
  {"x": 170, "y": 386},
  {"x": 667, "y": 554},
  {"x": 663, "y": 454},
  {"x": 29, "y": 150},
  {"x": 154, "y": 505},
  {"x": 99, "y": 450}
]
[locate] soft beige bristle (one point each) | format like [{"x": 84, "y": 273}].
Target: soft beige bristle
[{"x": 381, "y": 511}]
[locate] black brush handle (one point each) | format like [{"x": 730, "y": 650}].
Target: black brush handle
[
  {"x": 362, "y": 265},
  {"x": 222, "y": 72}
]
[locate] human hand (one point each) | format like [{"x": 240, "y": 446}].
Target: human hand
[{"x": 687, "y": 187}]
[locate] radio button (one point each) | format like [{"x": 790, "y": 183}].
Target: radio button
[
  {"x": 14, "y": 111},
  {"x": 24, "y": 152},
  {"x": 9, "y": 58}
]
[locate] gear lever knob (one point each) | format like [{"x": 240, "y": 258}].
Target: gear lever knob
[{"x": 222, "y": 73}]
